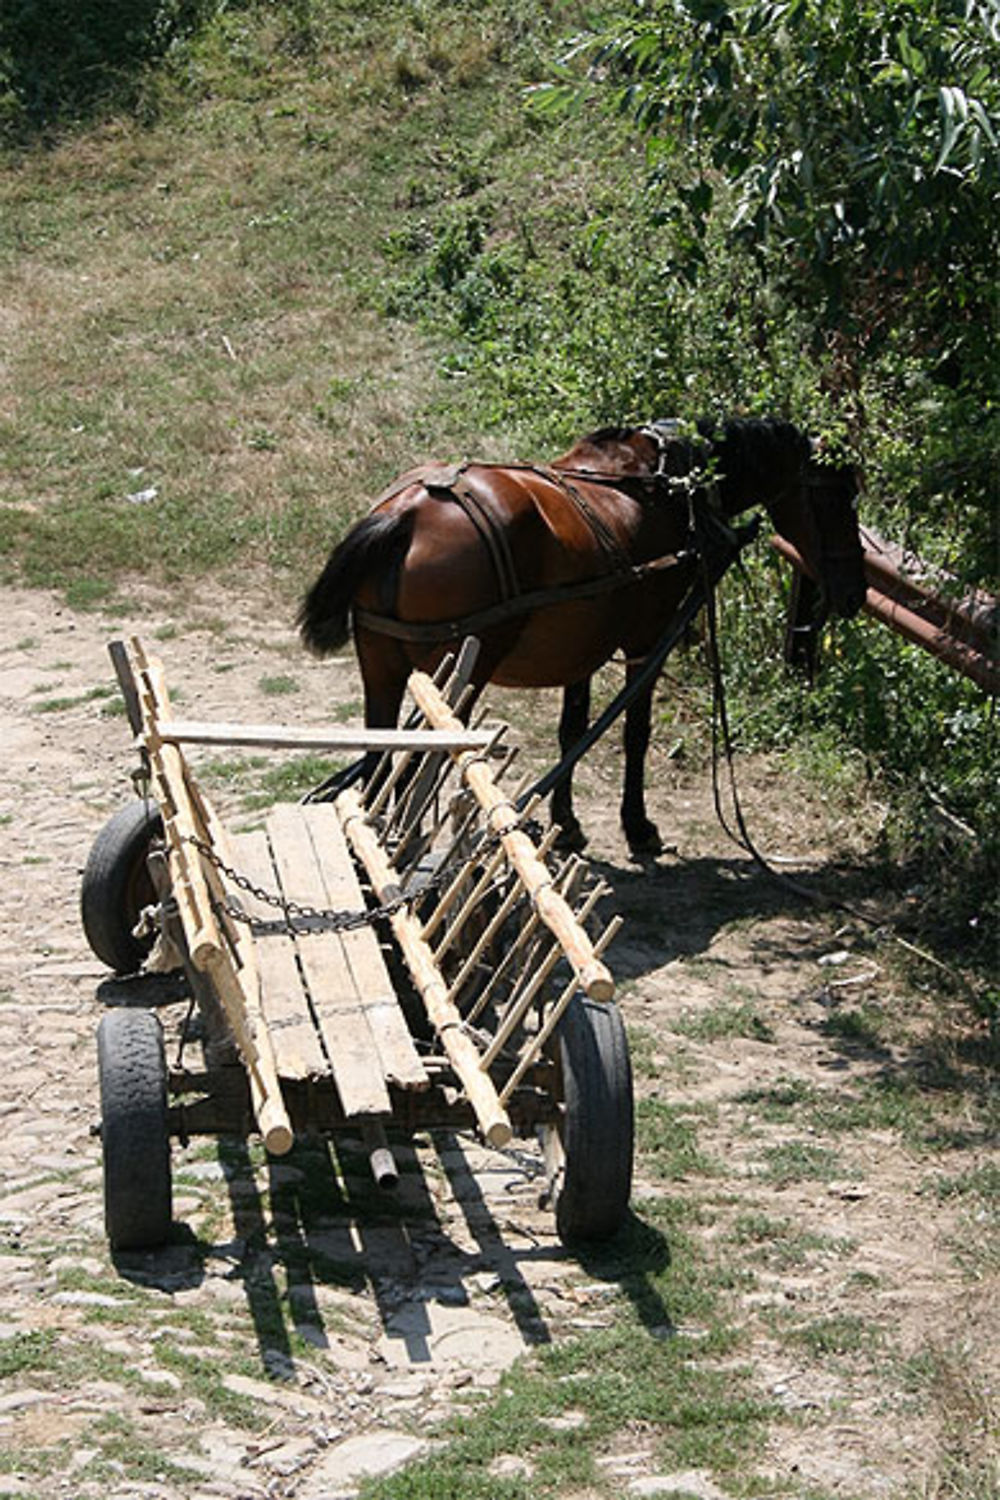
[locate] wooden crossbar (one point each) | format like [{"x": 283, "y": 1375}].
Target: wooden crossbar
[{"x": 340, "y": 737}]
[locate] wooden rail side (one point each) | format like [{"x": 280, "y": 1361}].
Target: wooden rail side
[
  {"x": 502, "y": 820},
  {"x": 227, "y": 958}
]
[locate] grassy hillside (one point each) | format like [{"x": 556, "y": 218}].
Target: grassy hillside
[{"x": 189, "y": 297}]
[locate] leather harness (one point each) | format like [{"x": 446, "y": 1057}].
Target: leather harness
[{"x": 454, "y": 482}]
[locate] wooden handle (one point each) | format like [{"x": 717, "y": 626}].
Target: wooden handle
[{"x": 444, "y": 1015}]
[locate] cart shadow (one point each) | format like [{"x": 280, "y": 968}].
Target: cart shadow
[
  {"x": 320, "y": 1239},
  {"x": 630, "y": 1259},
  {"x": 316, "y": 1242}
]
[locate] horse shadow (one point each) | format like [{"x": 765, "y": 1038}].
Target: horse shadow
[{"x": 676, "y": 910}]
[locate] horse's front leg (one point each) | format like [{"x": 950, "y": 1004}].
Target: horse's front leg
[
  {"x": 572, "y": 727},
  {"x": 642, "y": 835}
]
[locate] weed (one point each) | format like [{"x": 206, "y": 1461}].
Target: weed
[
  {"x": 642, "y": 1051},
  {"x": 965, "y": 1464},
  {"x": 288, "y": 782},
  {"x": 842, "y": 1334},
  {"x": 782, "y": 1245},
  {"x": 724, "y": 1020},
  {"x": 278, "y": 686},
  {"x": 670, "y": 1142},
  {"x": 865, "y": 1025},
  {"x": 61, "y": 705},
  {"x": 887, "y": 1101},
  {"x": 979, "y": 1181},
  {"x": 124, "y": 1455},
  {"x": 799, "y": 1161},
  {"x": 26, "y": 1352}
]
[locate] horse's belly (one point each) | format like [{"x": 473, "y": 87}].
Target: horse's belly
[
  {"x": 567, "y": 643},
  {"x": 557, "y": 647}
]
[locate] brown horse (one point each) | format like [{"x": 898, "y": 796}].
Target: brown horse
[{"x": 555, "y": 568}]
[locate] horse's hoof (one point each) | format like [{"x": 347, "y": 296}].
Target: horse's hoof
[
  {"x": 571, "y": 839},
  {"x": 644, "y": 842}
]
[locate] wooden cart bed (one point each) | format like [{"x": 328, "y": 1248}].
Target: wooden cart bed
[{"x": 326, "y": 997}]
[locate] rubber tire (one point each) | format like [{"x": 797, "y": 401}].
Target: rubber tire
[
  {"x": 116, "y": 885},
  {"x": 598, "y": 1124},
  {"x": 138, "y": 1199}
]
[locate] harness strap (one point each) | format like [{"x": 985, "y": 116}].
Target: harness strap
[
  {"x": 599, "y": 528},
  {"x": 431, "y": 632},
  {"x": 493, "y": 536}
]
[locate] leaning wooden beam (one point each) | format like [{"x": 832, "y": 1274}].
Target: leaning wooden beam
[
  {"x": 444, "y": 1016},
  {"x": 231, "y": 970},
  {"x": 502, "y": 819},
  {"x": 295, "y": 737}
]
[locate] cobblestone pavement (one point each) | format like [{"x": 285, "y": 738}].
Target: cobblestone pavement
[{"x": 303, "y": 1329}]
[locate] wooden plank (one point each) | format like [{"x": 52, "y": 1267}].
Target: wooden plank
[
  {"x": 350, "y": 1046},
  {"x": 297, "y": 1050},
  {"x": 401, "y": 1062},
  {"x": 341, "y": 737}
]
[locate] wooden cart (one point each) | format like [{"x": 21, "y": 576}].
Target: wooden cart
[{"x": 406, "y": 955}]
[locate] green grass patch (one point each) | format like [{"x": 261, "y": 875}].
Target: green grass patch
[
  {"x": 866, "y": 1026},
  {"x": 887, "y": 1101},
  {"x": 800, "y": 1161},
  {"x": 780, "y": 1244},
  {"x": 289, "y": 782},
  {"x": 126, "y": 1454},
  {"x": 621, "y": 1381},
  {"x": 977, "y": 1182},
  {"x": 26, "y": 1352},
  {"x": 60, "y": 705},
  {"x": 279, "y": 686},
  {"x": 844, "y": 1334},
  {"x": 202, "y": 1377},
  {"x": 723, "y": 1020},
  {"x": 669, "y": 1142}
]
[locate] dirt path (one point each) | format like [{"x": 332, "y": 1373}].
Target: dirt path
[{"x": 307, "y": 1333}]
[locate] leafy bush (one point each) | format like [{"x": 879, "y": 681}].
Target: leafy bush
[{"x": 60, "y": 58}]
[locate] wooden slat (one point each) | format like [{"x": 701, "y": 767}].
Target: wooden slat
[
  {"x": 401, "y": 1062},
  {"x": 297, "y": 1049},
  {"x": 350, "y": 1046},
  {"x": 443, "y": 1014}
]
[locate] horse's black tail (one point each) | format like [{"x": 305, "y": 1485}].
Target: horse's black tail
[{"x": 376, "y": 546}]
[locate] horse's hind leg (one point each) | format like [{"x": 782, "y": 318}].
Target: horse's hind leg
[
  {"x": 642, "y": 835},
  {"x": 384, "y": 670},
  {"x": 572, "y": 727}
]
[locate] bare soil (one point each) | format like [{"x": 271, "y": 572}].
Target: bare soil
[{"x": 285, "y": 1349}]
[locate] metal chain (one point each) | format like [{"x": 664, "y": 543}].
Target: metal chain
[{"x": 300, "y": 920}]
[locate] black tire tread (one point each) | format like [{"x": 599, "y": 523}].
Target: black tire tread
[
  {"x": 599, "y": 1122},
  {"x": 138, "y": 1208}
]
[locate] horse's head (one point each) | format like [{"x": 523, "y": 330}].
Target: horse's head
[{"x": 819, "y": 517}]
